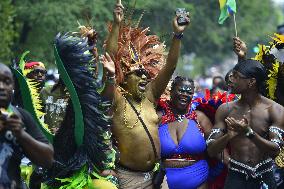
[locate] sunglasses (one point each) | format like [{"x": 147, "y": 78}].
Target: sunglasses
[
  {"x": 38, "y": 71},
  {"x": 141, "y": 72}
]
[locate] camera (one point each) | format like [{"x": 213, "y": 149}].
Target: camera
[
  {"x": 182, "y": 16},
  {"x": 5, "y": 115}
]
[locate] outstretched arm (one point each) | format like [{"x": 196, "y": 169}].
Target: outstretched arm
[
  {"x": 157, "y": 86},
  {"x": 111, "y": 44}
]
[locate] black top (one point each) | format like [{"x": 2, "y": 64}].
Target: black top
[{"x": 11, "y": 152}]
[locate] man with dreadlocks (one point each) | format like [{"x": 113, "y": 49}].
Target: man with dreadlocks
[
  {"x": 251, "y": 126},
  {"x": 140, "y": 82}
]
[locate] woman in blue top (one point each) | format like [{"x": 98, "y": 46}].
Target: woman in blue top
[{"x": 182, "y": 135}]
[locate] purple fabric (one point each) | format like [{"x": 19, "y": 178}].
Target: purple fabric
[
  {"x": 192, "y": 142},
  {"x": 189, "y": 177}
]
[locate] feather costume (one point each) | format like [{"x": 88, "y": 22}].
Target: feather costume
[
  {"x": 269, "y": 57},
  {"x": 83, "y": 143}
]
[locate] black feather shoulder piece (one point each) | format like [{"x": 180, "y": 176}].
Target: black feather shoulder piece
[{"x": 83, "y": 143}]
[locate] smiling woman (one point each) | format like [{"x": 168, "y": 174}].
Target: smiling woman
[{"x": 181, "y": 132}]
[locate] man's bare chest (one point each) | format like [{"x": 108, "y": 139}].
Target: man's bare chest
[
  {"x": 125, "y": 117},
  {"x": 257, "y": 118}
]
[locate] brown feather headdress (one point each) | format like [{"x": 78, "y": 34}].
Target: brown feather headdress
[{"x": 137, "y": 50}]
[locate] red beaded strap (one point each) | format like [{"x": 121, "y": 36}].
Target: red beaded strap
[{"x": 188, "y": 157}]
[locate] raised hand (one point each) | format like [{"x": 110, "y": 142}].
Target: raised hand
[
  {"x": 14, "y": 124},
  {"x": 231, "y": 130},
  {"x": 236, "y": 127},
  {"x": 177, "y": 28},
  {"x": 118, "y": 12},
  {"x": 240, "y": 47},
  {"x": 108, "y": 64}
]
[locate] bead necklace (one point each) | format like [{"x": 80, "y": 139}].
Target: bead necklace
[
  {"x": 169, "y": 116},
  {"x": 179, "y": 117},
  {"x": 124, "y": 114}
]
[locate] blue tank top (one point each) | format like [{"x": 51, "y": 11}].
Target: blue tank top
[{"x": 191, "y": 143}]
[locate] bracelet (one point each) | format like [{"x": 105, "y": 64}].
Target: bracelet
[
  {"x": 250, "y": 133},
  {"x": 110, "y": 77},
  {"x": 178, "y": 35}
]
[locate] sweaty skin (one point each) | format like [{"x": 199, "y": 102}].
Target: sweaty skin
[
  {"x": 135, "y": 148},
  {"x": 264, "y": 114},
  {"x": 259, "y": 112},
  {"x": 251, "y": 110}
]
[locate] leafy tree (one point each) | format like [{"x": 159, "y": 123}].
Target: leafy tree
[
  {"x": 40, "y": 21},
  {"x": 7, "y": 33},
  {"x": 209, "y": 41},
  {"x": 37, "y": 23}
]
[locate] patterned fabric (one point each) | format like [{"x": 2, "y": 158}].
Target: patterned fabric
[{"x": 55, "y": 104}]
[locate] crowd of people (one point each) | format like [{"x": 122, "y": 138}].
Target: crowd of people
[{"x": 129, "y": 128}]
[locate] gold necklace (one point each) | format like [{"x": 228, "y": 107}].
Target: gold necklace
[{"x": 124, "y": 115}]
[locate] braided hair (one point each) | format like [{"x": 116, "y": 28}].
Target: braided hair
[{"x": 178, "y": 79}]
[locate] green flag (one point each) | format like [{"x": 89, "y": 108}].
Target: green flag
[{"x": 228, "y": 8}]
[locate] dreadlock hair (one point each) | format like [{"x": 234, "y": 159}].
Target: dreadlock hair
[{"x": 178, "y": 79}]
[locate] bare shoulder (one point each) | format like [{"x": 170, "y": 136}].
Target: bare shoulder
[
  {"x": 200, "y": 114},
  {"x": 224, "y": 109},
  {"x": 204, "y": 122},
  {"x": 272, "y": 105},
  {"x": 276, "y": 112},
  {"x": 202, "y": 118}
]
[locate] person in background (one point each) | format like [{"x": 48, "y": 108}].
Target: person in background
[
  {"x": 55, "y": 102},
  {"x": 218, "y": 84},
  {"x": 37, "y": 72}
]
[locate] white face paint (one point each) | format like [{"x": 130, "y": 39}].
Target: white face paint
[{"x": 279, "y": 54}]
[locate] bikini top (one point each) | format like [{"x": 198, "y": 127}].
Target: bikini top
[{"x": 191, "y": 143}]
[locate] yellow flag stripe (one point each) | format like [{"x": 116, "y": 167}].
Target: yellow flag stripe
[{"x": 222, "y": 3}]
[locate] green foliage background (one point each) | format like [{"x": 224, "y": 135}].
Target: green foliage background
[{"x": 33, "y": 24}]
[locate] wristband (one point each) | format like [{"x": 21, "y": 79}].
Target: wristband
[
  {"x": 250, "y": 133},
  {"x": 178, "y": 35},
  {"x": 110, "y": 77}
]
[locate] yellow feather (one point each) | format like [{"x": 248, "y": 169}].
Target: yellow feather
[
  {"x": 272, "y": 81},
  {"x": 33, "y": 86}
]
